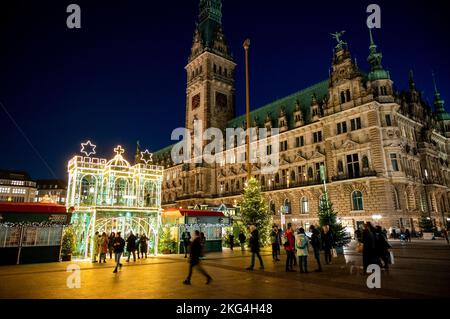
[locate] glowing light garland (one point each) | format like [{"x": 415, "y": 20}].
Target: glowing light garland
[
  {"x": 91, "y": 146},
  {"x": 147, "y": 157}
]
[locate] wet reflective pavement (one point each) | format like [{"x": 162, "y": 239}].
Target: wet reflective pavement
[{"x": 421, "y": 270}]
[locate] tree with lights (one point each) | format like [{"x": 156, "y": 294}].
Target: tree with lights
[
  {"x": 254, "y": 210},
  {"x": 426, "y": 224},
  {"x": 327, "y": 216}
]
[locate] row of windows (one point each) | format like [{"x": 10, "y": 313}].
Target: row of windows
[
  {"x": 356, "y": 202},
  {"x": 5, "y": 190},
  {"x": 14, "y": 199},
  {"x": 355, "y": 124}
]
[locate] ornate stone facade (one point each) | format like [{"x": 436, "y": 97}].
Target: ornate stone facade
[{"x": 385, "y": 152}]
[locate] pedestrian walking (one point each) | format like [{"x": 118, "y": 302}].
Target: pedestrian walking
[
  {"x": 186, "y": 239},
  {"x": 231, "y": 239},
  {"x": 327, "y": 243},
  {"x": 95, "y": 251},
  {"x": 143, "y": 245},
  {"x": 254, "y": 247},
  {"x": 289, "y": 246},
  {"x": 111, "y": 238},
  {"x": 382, "y": 248},
  {"x": 275, "y": 239},
  {"x": 119, "y": 245},
  {"x": 203, "y": 242},
  {"x": 103, "y": 247},
  {"x": 242, "y": 240},
  {"x": 407, "y": 235},
  {"x": 301, "y": 246},
  {"x": 315, "y": 243},
  {"x": 194, "y": 260},
  {"x": 131, "y": 246},
  {"x": 369, "y": 248},
  {"x": 138, "y": 246}
]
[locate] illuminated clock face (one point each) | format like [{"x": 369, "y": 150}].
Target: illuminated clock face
[
  {"x": 196, "y": 101},
  {"x": 221, "y": 100}
]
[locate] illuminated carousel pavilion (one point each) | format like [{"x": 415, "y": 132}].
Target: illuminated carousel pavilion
[{"x": 112, "y": 196}]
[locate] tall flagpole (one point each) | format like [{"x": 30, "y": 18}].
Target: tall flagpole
[{"x": 247, "y": 137}]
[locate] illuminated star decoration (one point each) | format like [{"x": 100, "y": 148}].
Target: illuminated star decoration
[
  {"x": 146, "y": 157},
  {"x": 88, "y": 148}
]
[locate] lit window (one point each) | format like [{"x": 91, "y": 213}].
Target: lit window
[{"x": 357, "y": 200}]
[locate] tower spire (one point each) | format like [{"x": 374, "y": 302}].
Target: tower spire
[
  {"x": 412, "y": 84},
  {"x": 438, "y": 101},
  {"x": 376, "y": 69}
]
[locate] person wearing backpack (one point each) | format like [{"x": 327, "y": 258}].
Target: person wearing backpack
[
  {"x": 301, "y": 246},
  {"x": 275, "y": 239},
  {"x": 315, "y": 243}
]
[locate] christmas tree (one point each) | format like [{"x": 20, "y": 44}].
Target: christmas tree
[
  {"x": 254, "y": 210},
  {"x": 327, "y": 216},
  {"x": 426, "y": 224}
]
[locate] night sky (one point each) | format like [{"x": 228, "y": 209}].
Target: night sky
[{"x": 120, "y": 78}]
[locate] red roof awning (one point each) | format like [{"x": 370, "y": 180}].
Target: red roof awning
[
  {"x": 190, "y": 212},
  {"x": 8, "y": 207}
]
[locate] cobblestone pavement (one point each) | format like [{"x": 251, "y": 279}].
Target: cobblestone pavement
[{"x": 421, "y": 270}]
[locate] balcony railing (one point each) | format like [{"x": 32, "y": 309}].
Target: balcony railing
[{"x": 353, "y": 176}]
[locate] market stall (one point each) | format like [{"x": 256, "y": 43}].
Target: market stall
[{"x": 211, "y": 223}]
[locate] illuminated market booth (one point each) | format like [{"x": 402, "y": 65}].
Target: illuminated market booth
[
  {"x": 31, "y": 232},
  {"x": 211, "y": 223},
  {"x": 111, "y": 196}
]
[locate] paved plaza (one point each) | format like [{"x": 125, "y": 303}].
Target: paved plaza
[{"x": 421, "y": 270}]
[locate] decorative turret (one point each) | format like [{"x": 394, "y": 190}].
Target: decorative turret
[
  {"x": 137, "y": 156},
  {"x": 376, "y": 69},
  {"x": 379, "y": 79},
  {"x": 441, "y": 116}
]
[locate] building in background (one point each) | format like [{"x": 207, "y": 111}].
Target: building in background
[
  {"x": 16, "y": 187},
  {"x": 51, "y": 191},
  {"x": 386, "y": 152}
]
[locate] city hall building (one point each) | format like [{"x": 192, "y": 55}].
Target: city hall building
[{"x": 385, "y": 152}]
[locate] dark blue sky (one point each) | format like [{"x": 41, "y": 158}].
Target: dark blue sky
[{"x": 121, "y": 77}]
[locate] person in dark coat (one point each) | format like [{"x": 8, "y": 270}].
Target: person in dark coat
[
  {"x": 369, "y": 246},
  {"x": 254, "y": 247},
  {"x": 119, "y": 245},
  {"x": 231, "y": 238},
  {"x": 111, "y": 244},
  {"x": 194, "y": 261},
  {"x": 242, "y": 240},
  {"x": 315, "y": 243},
  {"x": 131, "y": 246},
  {"x": 186, "y": 239},
  {"x": 382, "y": 247},
  {"x": 143, "y": 245},
  {"x": 275, "y": 238},
  {"x": 327, "y": 243}
]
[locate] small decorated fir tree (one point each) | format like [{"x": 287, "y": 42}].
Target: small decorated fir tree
[
  {"x": 327, "y": 216},
  {"x": 254, "y": 210},
  {"x": 426, "y": 224}
]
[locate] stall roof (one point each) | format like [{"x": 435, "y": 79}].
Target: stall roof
[
  {"x": 191, "y": 212},
  {"x": 8, "y": 207}
]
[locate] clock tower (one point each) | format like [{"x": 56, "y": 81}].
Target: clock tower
[{"x": 210, "y": 90}]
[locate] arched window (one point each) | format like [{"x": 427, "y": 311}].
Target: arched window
[
  {"x": 342, "y": 97},
  {"x": 348, "y": 96},
  {"x": 272, "y": 207},
  {"x": 215, "y": 68},
  {"x": 406, "y": 200},
  {"x": 292, "y": 176},
  {"x": 277, "y": 178},
  {"x": 263, "y": 181},
  {"x": 120, "y": 191},
  {"x": 226, "y": 187},
  {"x": 304, "y": 205},
  {"x": 88, "y": 190},
  {"x": 237, "y": 185},
  {"x": 287, "y": 206},
  {"x": 357, "y": 200}
]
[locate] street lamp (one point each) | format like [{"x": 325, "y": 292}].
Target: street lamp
[
  {"x": 249, "y": 167},
  {"x": 377, "y": 217}
]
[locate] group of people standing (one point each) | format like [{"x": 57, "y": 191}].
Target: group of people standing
[{"x": 114, "y": 243}]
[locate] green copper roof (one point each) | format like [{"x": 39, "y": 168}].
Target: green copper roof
[
  {"x": 376, "y": 69},
  {"x": 440, "y": 113},
  {"x": 288, "y": 103},
  {"x": 209, "y": 20}
]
